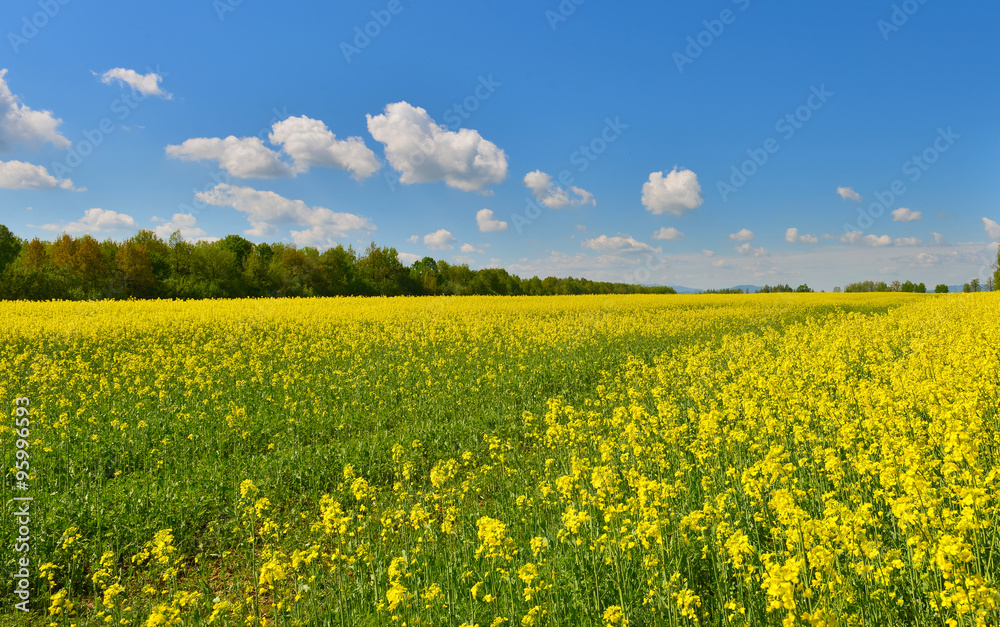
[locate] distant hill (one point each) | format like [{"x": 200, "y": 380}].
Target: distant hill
[{"x": 698, "y": 290}]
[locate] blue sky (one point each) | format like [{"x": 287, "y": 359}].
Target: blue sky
[{"x": 658, "y": 143}]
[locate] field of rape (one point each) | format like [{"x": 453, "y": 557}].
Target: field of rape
[{"x": 785, "y": 459}]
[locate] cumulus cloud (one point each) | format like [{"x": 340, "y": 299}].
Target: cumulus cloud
[
  {"x": 266, "y": 211},
  {"x": 743, "y": 235},
  {"x": 792, "y": 235},
  {"x": 413, "y": 239},
  {"x": 675, "y": 193},
  {"x": 94, "y": 221},
  {"x": 707, "y": 252},
  {"x": 440, "y": 239},
  {"x": 992, "y": 228},
  {"x": 469, "y": 248},
  {"x": 848, "y": 193},
  {"x": 22, "y": 125},
  {"x": 424, "y": 151},
  {"x": 554, "y": 196},
  {"x": 487, "y": 223},
  {"x": 21, "y": 175},
  {"x": 669, "y": 234},
  {"x": 310, "y": 143},
  {"x": 855, "y": 237},
  {"x": 145, "y": 84},
  {"x": 907, "y": 241},
  {"x": 242, "y": 157},
  {"x": 186, "y": 223},
  {"x": 938, "y": 238},
  {"x": 745, "y": 249},
  {"x": 618, "y": 244},
  {"x": 408, "y": 258},
  {"x": 905, "y": 215}
]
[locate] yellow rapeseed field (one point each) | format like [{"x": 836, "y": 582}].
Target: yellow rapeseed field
[{"x": 785, "y": 459}]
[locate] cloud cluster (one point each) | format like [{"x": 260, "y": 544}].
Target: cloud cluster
[
  {"x": 554, "y": 196},
  {"x": 676, "y": 193},
  {"x": 423, "y": 151},
  {"x": 186, "y": 223},
  {"x": 992, "y": 228},
  {"x": 310, "y": 143},
  {"x": 905, "y": 215},
  {"x": 848, "y": 193},
  {"x": 145, "y": 84},
  {"x": 440, "y": 240},
  {"x": 20, "y": 125},
  {"x": 266, "y": 211},
  {"x": 743, "y": 235},
  {"x": 487, "y": 223},
  {"x": 618, "y": 244},
  {"x": 242, "y": 157},
  {"x": 96, "y": 221},
  {"x": 792, "y": 235},
  {"x": 669, "y": 234},
  {"x": 21, "y": 175},
  {"x": 856, "y": 237}
]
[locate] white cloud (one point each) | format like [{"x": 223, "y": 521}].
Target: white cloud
[
  {"x": 469, "y": 248},
  {"x": 792, "y": 235},
  {"x": 266, "y": 211},
  {"x": 675, "y": 193},
  {"x": 992, "y": 228},
  {"x": 581, "y": 227},
  {"x": 440, "y": 239},
  {"x": 245, "y": 157},
  {"x": 855, "y": 237},
  {"x": 310, "y": 143},
  {"x": 424, "y": 151},
  {"x": 905, "y": 215},
  {"x": 669, "y": 234},
  {"x": 408, "y": 258},
  {"x": 743, "y": 235},
  {"x": 627, "y": 244},
  {"x": 745, "y": 249},
  {"x": 848, "y": 193},
  {"x": 907, "y": 241},
  {"x": 487, "y": 223},
  {"x": 927, "y": 259},
  {"x": 96, "y": 220},
  {"x": 707, "y": 252},
  {"x": 412, "y": 239},
  {"x": 186, "y": 223},
  {"x": 22, "y": 125},
  {"x": 145, "y": 84},
  {"x": 21, "y": 175},
  {"x": 938, "y": 238},
  {"x": 554, "y": 196}
]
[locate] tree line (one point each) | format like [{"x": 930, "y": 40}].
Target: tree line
[{"x": 146, "y": 266}]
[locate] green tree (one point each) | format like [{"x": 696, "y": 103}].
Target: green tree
[
  {"x": 10, "y": 247},
  {"x": 941, "y": 288},
  {"x": 135, "y": 270}
]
